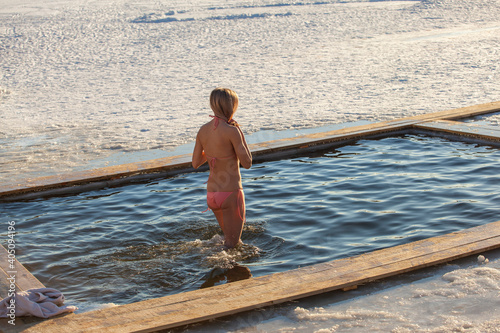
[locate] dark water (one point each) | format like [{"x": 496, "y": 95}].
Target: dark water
[{"x": 131, "y": 243}]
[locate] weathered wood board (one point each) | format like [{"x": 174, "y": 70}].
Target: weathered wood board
[
  {"x": 24, "y": 280},
  {"x": 204, "y": 304},
  {"x": 463, "y": 130}
]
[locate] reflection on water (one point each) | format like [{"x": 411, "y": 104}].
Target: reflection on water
[
  {"x": 235, "y": 273},
  {"x": 131, "y": 243}
]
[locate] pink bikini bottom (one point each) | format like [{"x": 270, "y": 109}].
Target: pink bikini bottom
[{"x": 216, "y": 199}]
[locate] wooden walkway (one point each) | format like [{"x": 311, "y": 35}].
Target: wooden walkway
[
  {"x": 466, "y": 131},
  {"x": 204, "y": 304},
  {"x": 23, "y": 280}
]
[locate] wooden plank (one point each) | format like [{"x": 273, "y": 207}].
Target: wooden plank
[
  {"x": 461, "y": 113},
  {"x": 454, "y": 114},
  {"x": 487, "y": 133},
  {"x": 24, "y": 280},
  {"x": 195, "y": 306},
  {"x": 112, "y": 175},
  {"x": 4, "y": 283}
]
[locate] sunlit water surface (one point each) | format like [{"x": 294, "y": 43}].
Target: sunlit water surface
[{"x": 140, "y": 241}]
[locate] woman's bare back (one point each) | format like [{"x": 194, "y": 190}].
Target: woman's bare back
[{"x": 224, "y": 148}]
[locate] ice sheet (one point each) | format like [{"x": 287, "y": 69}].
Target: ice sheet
[{"x": 85, "y": 80}]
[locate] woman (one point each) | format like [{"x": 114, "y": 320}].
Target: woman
[{"x": 222, "y": 143}]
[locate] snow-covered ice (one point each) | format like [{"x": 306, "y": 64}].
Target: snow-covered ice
[{"x": 93, "y": 80}]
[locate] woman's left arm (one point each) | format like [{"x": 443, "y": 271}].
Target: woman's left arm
[{"x": 242, "y": 150}]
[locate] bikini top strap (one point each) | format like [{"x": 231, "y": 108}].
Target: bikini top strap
[
  {"x": 211, "y": 161},
  {"x": 216, "y": 122}
]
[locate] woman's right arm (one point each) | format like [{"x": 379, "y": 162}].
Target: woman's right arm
[{"x": 198, "y": 154}]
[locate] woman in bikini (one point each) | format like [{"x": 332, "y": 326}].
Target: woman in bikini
[{"x": 222, "y": 143}]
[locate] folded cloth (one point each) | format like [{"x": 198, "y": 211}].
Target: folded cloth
[{"x": 41, "y": 302}]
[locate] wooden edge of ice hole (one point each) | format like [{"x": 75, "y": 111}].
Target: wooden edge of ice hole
[{"x": 14, "y": 277}]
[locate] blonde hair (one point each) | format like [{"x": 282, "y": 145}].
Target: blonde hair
[{"x": 224, "y": 102}]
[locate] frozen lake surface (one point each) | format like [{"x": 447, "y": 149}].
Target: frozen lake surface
[{"x": 88, "y": 80}]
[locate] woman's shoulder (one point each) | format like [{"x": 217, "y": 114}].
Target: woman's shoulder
[
  {"x": 222, "y": 128},
  {"x": 231, "y": 129},
  {"x": 204, "y": 128}
]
